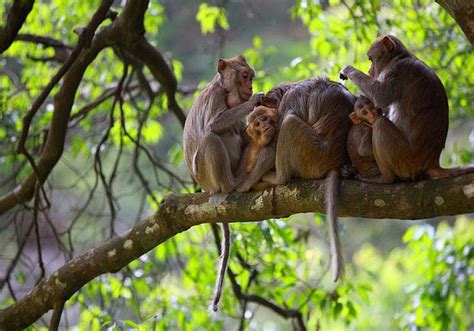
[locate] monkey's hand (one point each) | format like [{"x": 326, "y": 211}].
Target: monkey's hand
[
  {"x": 256, "y": 98},
  {"x": 346, "y": 72}
]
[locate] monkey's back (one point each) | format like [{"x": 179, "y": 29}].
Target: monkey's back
[
  {"x": 422, "y": 112},
  {"x": 202, "y": 111},
  {"x": 325, "y": 106}
]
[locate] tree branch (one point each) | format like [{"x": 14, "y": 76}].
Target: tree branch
[
  {"x": 15, "y": 19},
  {"x": 463, "y": 12},
  {"x": 162, "y": 72},
  {"x": 178, "y": 213}
]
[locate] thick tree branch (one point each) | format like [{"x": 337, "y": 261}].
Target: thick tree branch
[
  {"x": 162, "y": 72},
  {"x": 463, "y": 12},
  {"x": 64, "y": 99},
  {"x": 15, "y": 19},
  {"x": 54, "y": 146},
  {"x": 177, "y": 213},
  {"x": 84, "y": 42}
]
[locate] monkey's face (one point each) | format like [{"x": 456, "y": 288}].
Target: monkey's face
[
  {"x": 262, "y": 125},
  {"x": 380, "y": 53},
  {"x": 237, "y": 76},
  {"x": 365, "y": 113},
  {"x": 244, "y": 82}
]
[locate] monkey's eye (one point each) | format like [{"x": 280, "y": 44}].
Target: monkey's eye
[
  {"x": 264, "y": 118},
  {"x": 364, "y": 112},
  {"x": 245, "y": 76}
]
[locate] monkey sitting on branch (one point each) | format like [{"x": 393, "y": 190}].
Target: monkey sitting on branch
[
  {"x": 359, "y": 140},
  {"x": 311, "y": 143},
  {"x": 259, "y": 155},
  {"x": 212, "y": 137},
  {"x": 407, "y": 142}
]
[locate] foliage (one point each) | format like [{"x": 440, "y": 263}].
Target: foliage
[{"x": 425, "y": 284}]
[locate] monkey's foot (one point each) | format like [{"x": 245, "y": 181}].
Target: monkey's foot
[{"x": 348, "y": 171}]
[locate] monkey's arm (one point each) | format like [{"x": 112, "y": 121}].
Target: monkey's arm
[
  {"x": 364, "y": 150},
  {"x": 227, "y": 118},
  {"x": 382, "y": 93},
  {"x": 264, "y": 163}
]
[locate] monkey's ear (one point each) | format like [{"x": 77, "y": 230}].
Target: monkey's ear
[
  {"x": 387, "y": 43},
  {"x": 241, "y": 58},
  {"x": 221, "y": 64},
  {"x": 354, "y": 118}
]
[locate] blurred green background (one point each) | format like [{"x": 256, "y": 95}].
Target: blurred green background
[{"x": 402, "y": 275}]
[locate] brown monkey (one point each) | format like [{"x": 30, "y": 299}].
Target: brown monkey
[
  {"x": 414, "y": 131},
  {"x": 212, "y": 136},
  {"x": 314, "y": 123},
  {"x": 359, "y": 140},
  {"x": 259, "y": 154}
]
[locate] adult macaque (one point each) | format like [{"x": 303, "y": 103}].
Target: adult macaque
[
  {"x": 359, "y": 140},
  {"x": 212, "y": 136},
  {"x": 314, "y": 117},
  {"x": 408, "y": 142},
  {"x": 259, "y": 155}
]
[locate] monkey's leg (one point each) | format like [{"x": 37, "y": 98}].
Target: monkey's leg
[
  {"x": 392, "y": 151},
  {"x": 214, "y": 169},
  {"x": 264, "y": 162}
]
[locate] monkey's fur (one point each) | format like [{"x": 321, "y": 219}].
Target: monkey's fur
[
  {"x": 212, "y": 137},
  {"x": 408, "y": 141},
  {"x": 314, "y": 123},
  {"x": 359, "y": 141},
  {"x": 259, "y": 154}
]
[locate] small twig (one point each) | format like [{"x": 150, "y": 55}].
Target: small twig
[
  {"x": 56, "y": 317},
  {"x": 37, "y": 233},
  {"x": 84, "y": 41}
]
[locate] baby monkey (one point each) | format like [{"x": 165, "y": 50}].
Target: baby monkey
[
  {"x": 359, "y": 140},
  {"x": 259, "y": 154},
  {"x": 262, "y": 126}
]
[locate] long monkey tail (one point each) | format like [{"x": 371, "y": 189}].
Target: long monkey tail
[
  {"x": 332, "y": 197},
  {"x": 224, "y": 261}
]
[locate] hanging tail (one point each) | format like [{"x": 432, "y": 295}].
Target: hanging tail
[
  {"x": 332, "y": 197},
  {"x": 224, "y": 261}
]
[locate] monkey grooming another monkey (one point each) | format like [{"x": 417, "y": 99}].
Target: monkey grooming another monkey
[
  {"x": 408, "y": 142},
  {"x": 212, "y": 137},
  {"x": 311, "y": 144},
  {"x": 259, "y": 154},
  {"x": 359, "y": 140}
]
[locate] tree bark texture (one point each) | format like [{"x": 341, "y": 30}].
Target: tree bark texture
[
  {"x": 463, "y": 12},
  {"x": 177, "y": 213}
]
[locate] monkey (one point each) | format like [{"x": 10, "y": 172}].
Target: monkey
[
  {"x": 311, "y": 143},
  {"x": 409, "y": 140},
  {"x": 259, "y": 155},
  {"x": 359, "y": 140},
  {"x": 212, "y": 137}
]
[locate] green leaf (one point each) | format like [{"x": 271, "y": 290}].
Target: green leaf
[{"x": 210, "y": 16}]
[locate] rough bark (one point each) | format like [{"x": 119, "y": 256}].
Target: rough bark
[
  {"x": 16, "y": 17},
  {"x": 177, "y": 213},
  {"x": 463, "y": 12}
]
